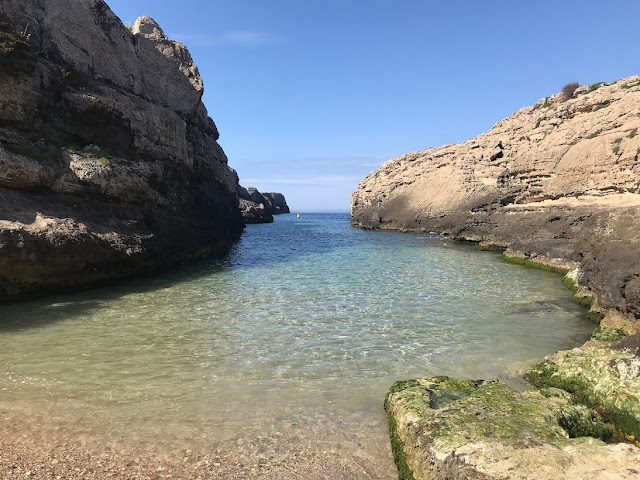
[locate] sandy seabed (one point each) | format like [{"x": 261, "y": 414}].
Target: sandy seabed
[{"x": 27, "y": 451}]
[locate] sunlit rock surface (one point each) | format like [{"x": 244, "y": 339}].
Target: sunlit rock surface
[
  {"x": 445, "y": 428},
  {"x": 556, "y": 181},
  {"x": 557, "y": 185}
]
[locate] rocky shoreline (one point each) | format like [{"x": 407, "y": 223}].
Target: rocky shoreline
[
  {"x": 582, "y": 422},
  {"x": 554, "y": 186}
]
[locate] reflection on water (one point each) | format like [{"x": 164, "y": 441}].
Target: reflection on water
[{"x": 304, "y": 325}]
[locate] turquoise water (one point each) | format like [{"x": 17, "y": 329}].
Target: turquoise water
[{"x": 301, "y": 328}]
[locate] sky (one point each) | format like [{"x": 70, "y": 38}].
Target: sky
[{"x": 310, "y": 96}]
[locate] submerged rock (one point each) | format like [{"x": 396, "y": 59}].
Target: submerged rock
[
  {"x": 109, "y": 163},
  {"x": 446, "y": 428}
]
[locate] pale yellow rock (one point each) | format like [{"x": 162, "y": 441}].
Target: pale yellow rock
[{"x": 559, "y": 180}]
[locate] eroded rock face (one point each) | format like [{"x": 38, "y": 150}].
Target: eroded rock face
[
  {"x": 559, "y": 181},
  {"x": 559, "y": 184},
  {"x": 109, "y": 163},
  {"x": 445, "y": 428},
  {"x": 259, "y": 207},
  {"x": 602, "y": 374},
  {"x": 277, "y": 201}
]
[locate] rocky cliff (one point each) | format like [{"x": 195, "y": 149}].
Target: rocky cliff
[
  {"x": 558, "y": 185},
  {"x": 558, "y": 182},
  {"x": 257, "y": 207},
  {"x": 109, "y": 163},
  {"x": 277, "y": 202}
]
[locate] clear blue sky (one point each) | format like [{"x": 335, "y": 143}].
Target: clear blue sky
[{"x": 310, "y": 96}]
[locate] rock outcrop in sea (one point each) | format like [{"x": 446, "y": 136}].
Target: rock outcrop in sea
[
  {"x": 556, "y": 185},
  {"x": 257, "y": 207},
  {"x": 109, "y": 162}
]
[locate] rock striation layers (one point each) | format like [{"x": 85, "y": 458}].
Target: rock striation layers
[
  {"x": 555, "y": 185},
  {"x": 109, "y": 162},
  {"x": 259, "y": 207},
  {"x": 559, "y": 181}
]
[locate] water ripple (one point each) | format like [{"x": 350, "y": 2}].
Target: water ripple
[{"x": 307, "y": 315}]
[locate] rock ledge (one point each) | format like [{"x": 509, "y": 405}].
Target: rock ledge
[{"x": 444, "y": 428}]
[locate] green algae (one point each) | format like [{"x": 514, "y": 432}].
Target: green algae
[
  {"x": 404, "y": 472},
  {"x": 443, "y": 414},
  {"x": 602, "y": 378},
  {"x": 579, "y": 297},
  {"x": 409, "y": 390},
  {"x": 581, "y": 422},
  {"x": 533, "y": 264},
  {"x": 489, "y": 247},
  {"x": 605, "y": 334},
  {"x": 583, "y": 299},
  {"x": 595, "y": 317}
]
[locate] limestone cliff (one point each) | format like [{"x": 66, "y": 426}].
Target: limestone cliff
[
  {"x": 277, "y": 202},
  {"x": 558, "y": 182},
  {"x": 257, "y": 207},
  {"x": 109, "y": 163}
]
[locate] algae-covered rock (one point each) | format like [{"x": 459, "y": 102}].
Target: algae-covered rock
[
  {"x": 444, "y": 428},
  {"x": 601, "y": 375}
]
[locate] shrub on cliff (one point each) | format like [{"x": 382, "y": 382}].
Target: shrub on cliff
[
  {"x": 16, "y": 55},
  {"x": 568, "y": 89}
]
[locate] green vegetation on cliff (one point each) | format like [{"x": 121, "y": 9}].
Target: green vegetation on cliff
[{"x": 16, "y": 54}]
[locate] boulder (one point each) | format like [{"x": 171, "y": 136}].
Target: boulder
[{"x": 446, "y": 428}]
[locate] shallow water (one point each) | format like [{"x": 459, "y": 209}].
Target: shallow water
[{"x": 297, "y": 333}]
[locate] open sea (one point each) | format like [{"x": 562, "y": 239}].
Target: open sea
[{"x": 273, "y": 361}]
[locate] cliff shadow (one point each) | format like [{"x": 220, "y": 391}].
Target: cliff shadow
[{"x": 260, "y": 246}]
